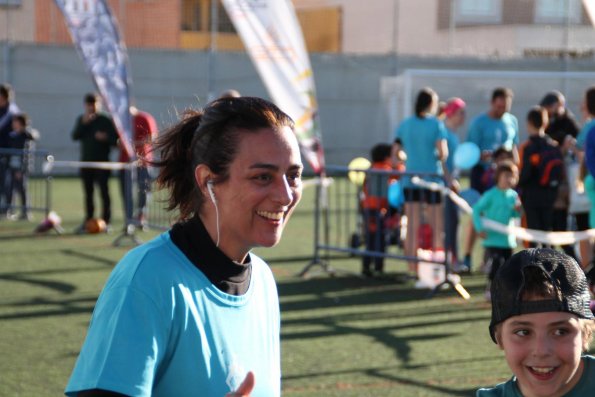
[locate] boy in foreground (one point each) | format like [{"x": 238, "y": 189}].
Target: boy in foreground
[{"x": 542, "y": 322}]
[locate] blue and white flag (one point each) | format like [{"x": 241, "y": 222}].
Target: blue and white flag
[
  {"x": 96, "y": 37},
  {"x": 273, "y": 38}
]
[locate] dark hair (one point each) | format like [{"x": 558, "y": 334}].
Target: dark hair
[
  {"x": 590, "y": 100},
  {"x": 209, "y": 136},
  {"x": 380, "y": 152},
  {"x": 91, "y": 97},
  {"x": 502, "y": 152},
  {"x": 6, "y": 91},
  {"x": 552, "y": 98},
  {"x": 425, "y": 98},
  {"x": 21, "y": 118},
  {"x": 537, "y": 117},
  {"x": 504, "y": 166},
  {"x": 538, "y": 285},
  {"x": 502, "y": 92}
]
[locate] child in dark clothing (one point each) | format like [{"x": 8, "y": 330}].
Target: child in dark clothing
[
  {"x": 537, "y": 194},
  {"x": 376, "y": 207},
  {"x": 20, "y": 138}
]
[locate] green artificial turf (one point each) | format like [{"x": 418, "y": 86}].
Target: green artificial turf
[{"x": 341, "y": 335}]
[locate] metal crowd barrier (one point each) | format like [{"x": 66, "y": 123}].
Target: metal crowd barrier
[
  {"x": 25, "y": 187},
  {"x": 340, "y": 222}
]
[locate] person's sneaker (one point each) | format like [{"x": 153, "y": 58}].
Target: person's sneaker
[
  {"x": 460, "y": 268},
  {"x": 81, "y": 229},
  {"x": 467, "y": 262},
  {"x": 25, "y": 216}
]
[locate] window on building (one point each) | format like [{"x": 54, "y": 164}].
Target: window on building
[
  {"x": 224, "y": 24},
  {"x": 192, "y": 15},
  {"x": 478, "y": 11},
  {"x": 197, "y": 14},
  {"x": 10, "y": 3},
  {"x": 558, "y": 11}
]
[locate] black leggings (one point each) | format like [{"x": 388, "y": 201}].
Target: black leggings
[{"x": 90, "y": 177}]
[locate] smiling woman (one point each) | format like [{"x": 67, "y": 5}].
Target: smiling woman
[{"x": 193, "y": 312}]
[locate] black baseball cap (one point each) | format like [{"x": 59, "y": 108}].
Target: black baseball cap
[{"x": 557, "y": 268}]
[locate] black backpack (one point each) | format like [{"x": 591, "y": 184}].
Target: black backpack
[{"x": 550, "y": 166}]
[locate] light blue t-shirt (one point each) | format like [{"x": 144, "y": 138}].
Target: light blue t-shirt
[
  {"x": 490, "y": 134},
  {"x": 586, "y": 141},
  {"x": 418, "y": 137},
  {"x": 452, "y": 141},
  {"x": 585, "y": 386},
  {"x": 498, "y": 205},
  {"x": 581, "y": 138},
  {"x": 160, "y": 328}
]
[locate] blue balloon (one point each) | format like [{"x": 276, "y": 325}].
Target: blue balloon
[
  {"x": 466, "y": 155},
  {"x": 395, "y": 195},
  {"x": 471, "y": 196}
]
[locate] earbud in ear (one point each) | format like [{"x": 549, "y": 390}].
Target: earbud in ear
[{"x": 211, "y": 193}]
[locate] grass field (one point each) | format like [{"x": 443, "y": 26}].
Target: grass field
[{"x": 341, "y": 335}]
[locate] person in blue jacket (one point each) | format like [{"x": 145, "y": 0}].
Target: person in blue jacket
[
  {"x": 586, "y": 138},
  {"x": 193, "y": 312}
]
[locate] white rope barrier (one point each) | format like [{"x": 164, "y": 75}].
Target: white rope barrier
[
  {"x": 538, "y": 236},
  {"x": 327, "y": 181},
  {"x": 50, "y": 164}
]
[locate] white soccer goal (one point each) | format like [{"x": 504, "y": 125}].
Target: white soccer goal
[{"x": 476, "y": 86}]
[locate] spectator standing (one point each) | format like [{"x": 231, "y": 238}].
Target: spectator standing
[
  {"x": 7, "y": 110},
  {"x": 501, "y": 204},
  {"x": 194, "y": 312},
  {"x": 454, "y": 117},
  {"x": 584, "y": 180},
  {"x": 563, "y": 129},
  {"x": 144, "y": 130},
  {"x": 21, "y": 138},
  {"x": 376, "y": 208},
  {"x": 587, "y": 136},
  {"x": 490, "y": 131},
  {"x": 541, "y": 171},
  {"x": 423, "y": 139},
  {"x": 97, "y": 135}
]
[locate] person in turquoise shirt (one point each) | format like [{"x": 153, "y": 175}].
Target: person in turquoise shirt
[
  {"x": 194, "y": 312},
  {"x": 501, "y": 204},
  {"x": 423, "y": 138},
  {"x": 454, "y": 117},
  {"x": 497, "y": 128},
  {"x": 586, "y": 141},
  {"x": 542, "y": 321}
]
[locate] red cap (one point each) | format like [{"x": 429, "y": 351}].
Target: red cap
[{"x": 453, "y": 105}]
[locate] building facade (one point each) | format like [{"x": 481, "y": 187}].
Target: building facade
[{"x": 477, "y": 28}]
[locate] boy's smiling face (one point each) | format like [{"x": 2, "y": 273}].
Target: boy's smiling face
[{"x": 544, "y": 351}]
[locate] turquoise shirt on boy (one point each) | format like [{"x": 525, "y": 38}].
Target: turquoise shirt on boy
[
  {"x": 584, "y": 387},
  {"x": 498, "y": 205}
]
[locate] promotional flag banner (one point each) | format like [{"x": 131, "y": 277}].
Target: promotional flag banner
[
  {"x": 273, "y": 39},
  {"x": 95, "y": 34},
  {"x": 590, "y": 8}
]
